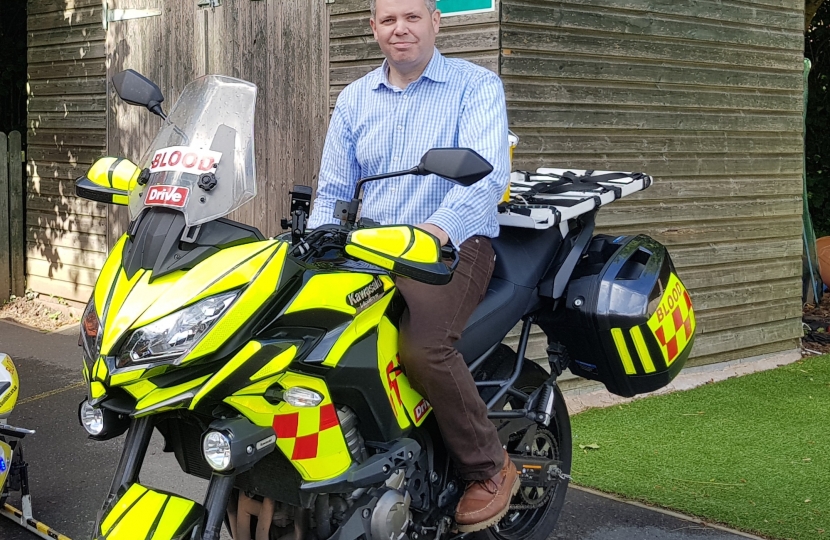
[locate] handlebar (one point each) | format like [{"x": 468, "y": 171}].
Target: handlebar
[
  {"x": 314, "y": 238},
  {"x": 15, "y": 432}
]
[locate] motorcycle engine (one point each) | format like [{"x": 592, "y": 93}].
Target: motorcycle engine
[
  {"x": 391, "y": 516},
  {"x": 354, "y": 441}
]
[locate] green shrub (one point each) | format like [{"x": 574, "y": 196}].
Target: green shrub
[{"x": 817, "y": 144}]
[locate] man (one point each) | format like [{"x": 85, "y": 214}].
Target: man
[{"x": 386, "y": 121}]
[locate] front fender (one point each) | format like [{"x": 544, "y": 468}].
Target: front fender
[{"x": 144, "y": 513}]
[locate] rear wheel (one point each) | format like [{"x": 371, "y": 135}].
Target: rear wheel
[{"x": 535, "y": 511}]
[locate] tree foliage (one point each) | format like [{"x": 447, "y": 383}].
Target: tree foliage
[
  {"x": 810, "y": 9},
  {"x": 817, "y": 141},
  {"x": 13, "y": 66}
]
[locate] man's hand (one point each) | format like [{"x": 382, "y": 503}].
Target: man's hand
[{"x": 435, "y": 231}]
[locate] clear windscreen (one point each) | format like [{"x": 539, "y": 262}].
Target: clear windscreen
[{"x": 202, "y": 160}]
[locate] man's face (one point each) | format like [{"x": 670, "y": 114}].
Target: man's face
[{"x": 405, "y": 31}]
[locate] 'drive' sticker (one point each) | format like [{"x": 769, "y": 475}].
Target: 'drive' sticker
[
  {"x": 421, "y": 409},
  {"x": 159, "y": 195},
  {"x": 184, "y": 159}
]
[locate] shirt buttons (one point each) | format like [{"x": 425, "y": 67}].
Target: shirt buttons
[{"x": 400, "y": 128}]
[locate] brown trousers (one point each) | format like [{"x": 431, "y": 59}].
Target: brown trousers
[{"x": 430, "y": 326}]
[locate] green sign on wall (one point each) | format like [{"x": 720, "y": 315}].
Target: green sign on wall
[{"x": 465, "y": 7}]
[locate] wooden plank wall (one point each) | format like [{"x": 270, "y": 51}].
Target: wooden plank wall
[
  {"x": 66, "y": 236},
  {"x": 354, "y": 52},
  {"x": 280, "y": 45},
  {"x": 5, "y": 259},
  {"x": 705, "y": 96}
]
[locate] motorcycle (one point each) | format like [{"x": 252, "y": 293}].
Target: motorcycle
[
  {"x": 270, "y": 366},
  {"x": 14, "y": 470}
]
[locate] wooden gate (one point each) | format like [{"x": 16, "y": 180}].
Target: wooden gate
[
  {"x": 279, "y": 45},
  {"x": 12, "y": 242},
  {"x": 74, "y": 116}
]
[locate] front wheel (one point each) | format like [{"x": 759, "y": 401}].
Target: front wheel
[{"x": 535, "y": 511}]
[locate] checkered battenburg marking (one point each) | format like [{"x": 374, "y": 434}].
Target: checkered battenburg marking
[
  {"x": 674, "y": 321},
  {"x": 311, "y": 423}
]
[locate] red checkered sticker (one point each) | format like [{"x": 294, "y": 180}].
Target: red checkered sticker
[
  {"x": 673, "y": 323},
  {"x": 310, "y": 436},
  {"x": 318, "y": 420}
]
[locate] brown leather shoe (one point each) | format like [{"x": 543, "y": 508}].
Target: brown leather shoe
[{"x": 485, "y": 503}]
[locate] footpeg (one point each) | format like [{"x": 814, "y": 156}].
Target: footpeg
[
  {"x": 543, "y": 411},
  {"x": 558, "y": 359}
]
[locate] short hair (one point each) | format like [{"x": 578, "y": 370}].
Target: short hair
[{"x": 430, "y": 6}]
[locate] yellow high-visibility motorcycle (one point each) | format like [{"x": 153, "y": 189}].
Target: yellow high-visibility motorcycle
[
  {"x": 270, "y": 366},
  {"x": 11, "y": 451},
  {"x": 14, "y": 470}
]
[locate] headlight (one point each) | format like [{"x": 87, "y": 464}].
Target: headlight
[
  {"x": 92, "y": 418},
  {"x": 217, "y": 450},
  {"x": 102, "y": 424},
  {"x": 173, "y": 336},
  {"x": 91, "y": 332}
]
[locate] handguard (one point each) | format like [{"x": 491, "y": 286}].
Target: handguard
[{"x": 403, "y": 250}]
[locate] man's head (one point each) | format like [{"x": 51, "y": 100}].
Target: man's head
[
  {"x": 405, "y": 31},
  {"x": 431, "y": 6}
]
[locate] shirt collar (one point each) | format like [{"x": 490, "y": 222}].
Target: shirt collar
[{"x": 435, "y": 71}]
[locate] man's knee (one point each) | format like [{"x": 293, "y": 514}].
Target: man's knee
[{"x": 413, "y": 356}]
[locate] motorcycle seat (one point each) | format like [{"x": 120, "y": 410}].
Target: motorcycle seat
[
  {"x": 524, "y": 255},
  {"x": 522, "y": 258},
  {"x": 503, "y": 305}
]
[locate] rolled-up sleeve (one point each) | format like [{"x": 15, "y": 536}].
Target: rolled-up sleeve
[
  {"x": 483, "y": 128},
  {"x": 339, "y": 169}
]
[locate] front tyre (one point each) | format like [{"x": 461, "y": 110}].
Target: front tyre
[{"x": 535, "y": 511}]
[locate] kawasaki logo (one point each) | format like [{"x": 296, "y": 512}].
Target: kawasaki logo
[
  {"x": 166, "y": 196},
  {"x": 266, "y": 442},
  {"x": 368, "y": 295}
]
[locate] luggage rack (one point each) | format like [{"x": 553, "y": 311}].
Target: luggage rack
[{"x": 550, "y": 197}]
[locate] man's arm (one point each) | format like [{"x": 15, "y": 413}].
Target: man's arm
[
  {"x": 339, "y": 170},
  {"x": 482, "y": 127}
]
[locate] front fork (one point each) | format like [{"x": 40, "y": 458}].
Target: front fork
[{"x": 129, "y": 467}]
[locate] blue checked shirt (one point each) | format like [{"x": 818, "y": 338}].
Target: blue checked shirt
[{"x": 378, "y": 128}]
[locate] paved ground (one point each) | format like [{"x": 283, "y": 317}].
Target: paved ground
[
  {"x": 70, "y": 474},
  {"x": 586, "y": 516}
]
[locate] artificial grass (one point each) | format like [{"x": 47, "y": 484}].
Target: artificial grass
[{"x": 751, "y": 452}]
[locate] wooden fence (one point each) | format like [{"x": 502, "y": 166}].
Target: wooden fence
[{"x": 12, "y": 241}]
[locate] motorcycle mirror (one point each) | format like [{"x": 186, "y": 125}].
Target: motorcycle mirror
[
  {"x": 461, "y": 165},
  {"x": 136, "y": 89}
]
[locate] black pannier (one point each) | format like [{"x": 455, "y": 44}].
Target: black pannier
[{"x": 625, "y": 319}]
